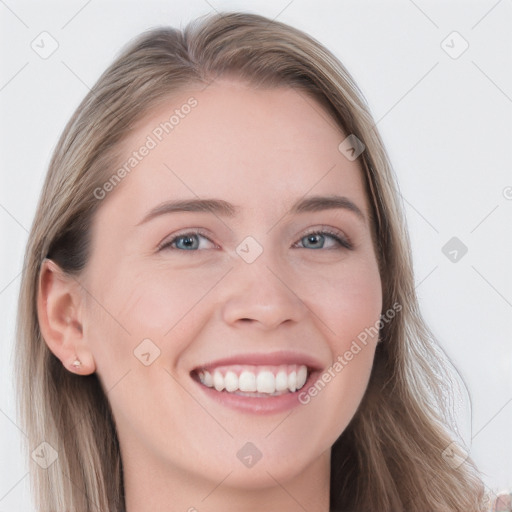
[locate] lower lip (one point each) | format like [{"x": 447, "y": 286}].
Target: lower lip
[{"x": 258, "y": 405}]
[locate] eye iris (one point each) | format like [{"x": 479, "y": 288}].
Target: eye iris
[
  {"x": 189, "y": 242},
  {"x": 315, "y": 239}
]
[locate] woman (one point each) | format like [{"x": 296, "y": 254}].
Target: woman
[{"x": 218, "y": 308}]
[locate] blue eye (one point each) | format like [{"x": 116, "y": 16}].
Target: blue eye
[
  {"x": 317, "y": 240},
  {"x": 185, "y": 242}
]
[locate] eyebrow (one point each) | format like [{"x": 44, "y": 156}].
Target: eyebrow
[{"x": 223, "y": 208}]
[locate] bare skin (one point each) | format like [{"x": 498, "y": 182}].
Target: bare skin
[{"x": 198, "y": 300}]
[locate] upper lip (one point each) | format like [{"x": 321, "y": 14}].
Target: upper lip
[{"x": 264, "y": 359}]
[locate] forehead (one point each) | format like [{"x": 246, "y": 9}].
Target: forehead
[{"x": 252, "y": 147}]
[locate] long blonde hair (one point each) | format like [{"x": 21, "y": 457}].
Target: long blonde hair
[{"x": 390, "y": 457}]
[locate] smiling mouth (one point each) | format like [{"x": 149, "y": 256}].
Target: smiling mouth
[{"x": 257, "y": 381}]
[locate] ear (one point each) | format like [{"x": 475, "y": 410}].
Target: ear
[{"x": 59, "y": 310}]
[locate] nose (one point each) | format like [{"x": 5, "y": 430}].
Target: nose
[{"x": 256, "y": 294}]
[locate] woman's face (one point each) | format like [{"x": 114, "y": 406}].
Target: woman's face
[{"x": 236, "y": 253}]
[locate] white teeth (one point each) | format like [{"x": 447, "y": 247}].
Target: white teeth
[
  {"x": 282, "y": 380},
  {"x": 218, "y": 380},
  {"x": 247, "y": 382},
  {"x": 292, "y": 381},
  {"x": 265, "y": 382},
  {"x": 302, "y": 375},
  {"x": 268, "y": 380},
  {"x": 207, "y": 379},
  {"x": 231, "y": 381}
]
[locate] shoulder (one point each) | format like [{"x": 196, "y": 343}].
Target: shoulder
[{"x": 501, "y": 502}]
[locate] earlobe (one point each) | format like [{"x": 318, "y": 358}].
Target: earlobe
[{"x": 59, "y": 311}]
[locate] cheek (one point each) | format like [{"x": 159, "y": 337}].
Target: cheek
[
  {"x": 347, "y": 307},
  {"x": 133, "y": 305},
  {"x": 355, "y": 308},
  {"x": 348, "y": 301},
  {"x": 135, "y": 335},
  {"x": 152, "y": 300}
]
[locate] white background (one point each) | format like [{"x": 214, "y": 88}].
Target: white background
[{"x": 446, "y": 122}]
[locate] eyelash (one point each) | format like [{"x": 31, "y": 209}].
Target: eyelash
[{"x": 341, "y": 240}]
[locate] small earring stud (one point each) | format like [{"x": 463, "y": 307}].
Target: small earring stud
[{"x": 76, "y": 363}]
